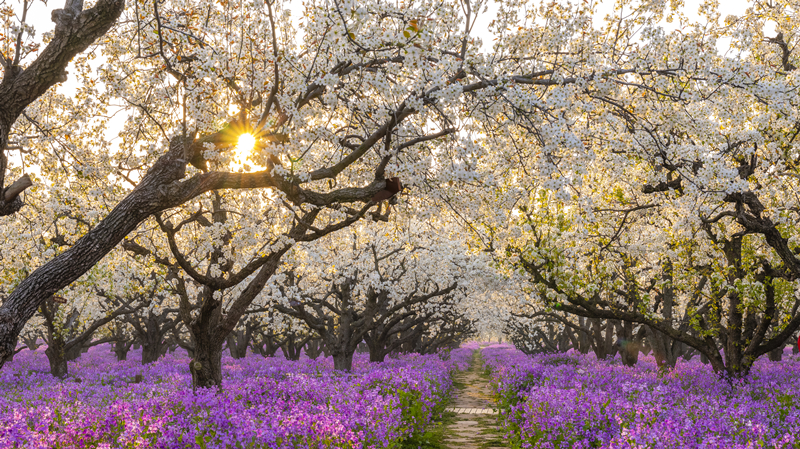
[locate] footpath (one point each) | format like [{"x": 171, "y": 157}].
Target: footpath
[{"x": 475, "y": 423}]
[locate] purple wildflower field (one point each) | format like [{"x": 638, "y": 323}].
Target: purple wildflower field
[
  {"x": 576, "y": 401},
  {"x": 266, "y": 402}
]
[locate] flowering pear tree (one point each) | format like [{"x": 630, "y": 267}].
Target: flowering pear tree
[
  {"x": 151, "y": 324},
  {"x": 661, "y": 191},
  {"x": 376, "y": 283},
  {"x": 445, "y": 330},
  {"x": 271, "y": 331},
  {"x": 239, "y": 339},
  {"x": 360, "y": 94},
  {"x": 71, "y": 322},
  {"x": 546, "y": 333},
  {"x": 68, "y": 334}
]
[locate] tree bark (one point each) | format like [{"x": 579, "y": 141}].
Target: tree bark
[
  {"x": 267, "y": 346},
  {"x": 151, "y": 333},
  {"x": 776, "y": 355},
  {"x": 237, "y": 342},
  {"x": 293, "y": 346},
  {"x": 314, "y": 348},
  {"x": 57, "y": 358},
  {"x": 206, "y": 366},
  {"x": 377, "y": 356},
  {"x": 662, "y": 349},
  {"x": 343, "y": 361},
  {"x": 31, "y": 341},
  {"x": 377, "y": 349},
  {"x": 121, "y": 349},
  {"x": 122, "y": 344},
  {"x": 150, "y": 353},
  {"x": 236, "y": 350}
]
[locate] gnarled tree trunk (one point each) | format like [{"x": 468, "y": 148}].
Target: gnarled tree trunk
[
  {"x": 237, "y": 342},
  {"x": 56, "y": 357},
  {"x": 293, "y": 346},
  {"x": 314, "y": 348},
  {"x": 206, "y": 365},
  {"x": 343, "y": 360},
  {"x": 121, "y": 349}
]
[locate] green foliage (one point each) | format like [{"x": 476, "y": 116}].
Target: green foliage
[{"x": 434, "y": 435}]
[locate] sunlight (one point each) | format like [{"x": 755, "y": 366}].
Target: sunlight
[
  {"x": 246, "y": 144},
  {"x": 242, "y": 151}
]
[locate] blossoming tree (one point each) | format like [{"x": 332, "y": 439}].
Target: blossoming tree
[{"x": 359, "y": 94}]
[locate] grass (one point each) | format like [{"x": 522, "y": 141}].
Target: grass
[
  {"x": 433, "y": 438},
  {"x": 492, "y": 435}
]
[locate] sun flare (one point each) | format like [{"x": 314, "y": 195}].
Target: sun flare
[
  {"x": 246, "y": 144},
  {"x": 243, "y": 149}
]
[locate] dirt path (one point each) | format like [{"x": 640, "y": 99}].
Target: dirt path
[{"x": 475, "y": 424}]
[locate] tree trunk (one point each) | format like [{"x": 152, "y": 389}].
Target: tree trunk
[
  {"x": 293, "y": 347},
  {"x": 377, "y": 356},
  {"x": 377, "y": 350},
  {"x": 776, "y": 355},
  {"x": 153, "y": 341},
  {"x": 291, "y": 352},
  {"x": 342, "y": 341},
  {"x": 73, "y": 351},
  {"x": 564, "y": 343},
  {"x": 629, "y": 353},
  {"x": 150, "y": 353},
  {"x": 267, "y": 347},
  {"x": 56, "y": 357},
  {"x": 314, "y": 348},
  {"x": 626, "y": 343},
  {"x": 31, "y": 342},
  {"x": 121, "y": 349},
  {"x": 603, "y": 344},
  {"x": 151, "y": 333},
  {"x": 343, "y": 361},
  {"x": 121, "y": 343},
  {"x": 237, "y": 343},
  {"x": 206, "y": 366},
  {"x": 662, "y": 349},
  {"x": 377, "y": 346},
  {"x": 584, "y": 344}
]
